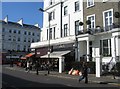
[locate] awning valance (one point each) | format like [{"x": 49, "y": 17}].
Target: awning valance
[
  {"x": 29, "y": 55},
  {"x": 56, "y": 54}
]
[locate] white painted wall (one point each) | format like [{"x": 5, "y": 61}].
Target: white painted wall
[
  {"x": 12, "y": 45},
  {"x": 69, "y": 19}
]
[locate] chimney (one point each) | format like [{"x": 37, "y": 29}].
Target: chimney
[
  {"x": 20, "y": 22},
  {"x": 6, "y": 19},
  {"x": 37, "y": 25}
]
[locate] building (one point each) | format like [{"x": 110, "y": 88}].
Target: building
[
  {"x": 81, "y": 28},
  {"x": 63, "y": 20},
  {"x": 17, "y": 37}
]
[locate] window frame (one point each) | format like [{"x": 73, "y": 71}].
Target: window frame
[
  {"x": 65, "y": 30},
  {"x": 77, "y": 6},
  {"x": 77, "y": 26},
  {"x": 90, "y": 16},
  {"x": 65, "y": 10},
  {"x": 103, "y": 47},
  {"x": 90, "y": 3},
  {"x": 107, "y": 11}
]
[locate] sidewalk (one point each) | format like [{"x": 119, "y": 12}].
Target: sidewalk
[{"x": 91, "y": 77}]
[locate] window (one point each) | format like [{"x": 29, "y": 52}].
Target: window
[
  {"x": 18, "y": 47},
  {"x": 54, "y": 32},
  {"x": 92, "y": 19},
  {"x": 3, "y": 37},
  {"x": 14, "y": 38},
  {"x": 10, "y": 31},
  {"x": 65, "y": 10},
  {"x": 51, "y": 2},
  {"x": 33, "y": 34},
  {"x": 108, "y": 19},
  {"x": 14, "y": 31},
  {"x": 77, "y": 6},
  {"x": 50, "y": 33},
  {"x": 90, "y": 3},
  {"x": 24, "y": 39},
  {"x": 76, "y": 27},
  {"x": 3, "y": 29},
  {"x": 51, "y": 15},
  {"x": 18, "y": 38},
  {"x": 9, "y": 38},
  {"x": 24, "y": 48},
  {"x": 47, "y": 33},
  {"x": 65, "y": 29},
  {"x": 32, "y": 40},
  {"x": 25, "y": 33},
  {"x": 28, "y": 39},
  {"x": 105, "y": 47},
  {"x": 19, "y": 32},
  {"x": 29, "y": 33}
]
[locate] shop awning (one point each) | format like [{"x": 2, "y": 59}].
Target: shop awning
[
  {"x": 23, "y": 58},
  {"x": 29, "y": 55},
  {"x": 56, "y": 54}
]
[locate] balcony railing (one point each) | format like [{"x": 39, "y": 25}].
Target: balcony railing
[{"x": 99, "y": 29}]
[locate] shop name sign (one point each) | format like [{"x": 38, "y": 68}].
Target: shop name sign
[{"x": 12, "y": 56}]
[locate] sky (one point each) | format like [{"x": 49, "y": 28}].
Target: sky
[{"x": 28, "y": 11}]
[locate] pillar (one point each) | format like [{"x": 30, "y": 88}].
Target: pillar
[
  {"x": 88, "y": 51},
  {"x": 61, "y": 64},
  {"x": 98, "y": 62}
]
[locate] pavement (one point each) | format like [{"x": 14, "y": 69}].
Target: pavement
[{"x": 91, "y": 77}]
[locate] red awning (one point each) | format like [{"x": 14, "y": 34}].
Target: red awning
[{"x": 29, "y": 55}]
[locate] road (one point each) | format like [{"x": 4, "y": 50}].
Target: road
[{"x": 19, "y": 79}]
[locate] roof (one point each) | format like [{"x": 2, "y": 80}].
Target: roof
[{"x": 17, "y": 24}]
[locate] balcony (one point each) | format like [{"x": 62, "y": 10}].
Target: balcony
[{"x": 99, "y": 29}]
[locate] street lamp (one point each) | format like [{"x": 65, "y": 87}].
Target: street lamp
[{"x": 40, "y": 9}]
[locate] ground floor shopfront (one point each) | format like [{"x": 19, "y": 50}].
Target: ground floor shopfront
[{"x": 101, "y": 47}]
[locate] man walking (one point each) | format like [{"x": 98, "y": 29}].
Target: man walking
[{"x": 84, "y": 73}]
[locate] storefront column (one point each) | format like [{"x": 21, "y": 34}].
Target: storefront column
[
  {"x": 61, "y": 64},
  {"x": 98, "y": 62},
  {"x": 88, "y": 50}
]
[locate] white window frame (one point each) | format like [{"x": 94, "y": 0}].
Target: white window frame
[
  {"x": 51, "y": 15},
  {"x": 90, "y": 4},
  {"x": 107, "y": 17},
  {"x": 65, "y": 10},
  {"x": 108, "y": 47},
  {"x": 77, "y": 26},
  {"x": 78, "y": 2},
  {"x": 65, "y": 30},
  {"x": 91, "y": 20}
]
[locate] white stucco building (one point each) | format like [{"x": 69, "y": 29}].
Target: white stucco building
[
  {"x": 17, "y": 36},
  {"x": 99, "y": 40}
]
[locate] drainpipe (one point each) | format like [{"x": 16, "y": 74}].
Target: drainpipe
[{"x": 61, "y": 19}]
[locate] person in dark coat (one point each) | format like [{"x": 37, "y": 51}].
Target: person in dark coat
[
  {"x": 37, "y": 67},
  {"x": 84, "y": 73}
]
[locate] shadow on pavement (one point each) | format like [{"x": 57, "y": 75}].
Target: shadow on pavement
[{"x": 14, "y": 82}]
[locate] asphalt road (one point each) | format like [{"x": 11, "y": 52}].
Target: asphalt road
[{"x": 19, "y": 79}]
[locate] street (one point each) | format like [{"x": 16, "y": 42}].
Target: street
[{"x": 19, "y": 79}]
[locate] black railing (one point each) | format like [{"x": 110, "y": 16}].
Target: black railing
[{"x": 99, "y": 29}]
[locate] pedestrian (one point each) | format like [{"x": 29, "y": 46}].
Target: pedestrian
[
  {"x": 37, "y": 67},
  {"x": 28, "y": 66},
  {"x": 84, "y": 73}
]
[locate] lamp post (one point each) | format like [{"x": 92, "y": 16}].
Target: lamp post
[{"x": 40, "y": 9}]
